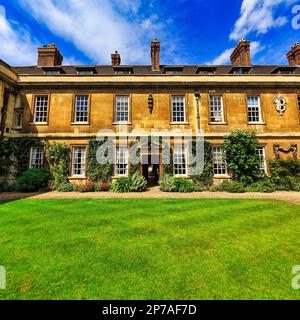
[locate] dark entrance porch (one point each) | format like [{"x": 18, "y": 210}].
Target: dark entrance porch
[{"x": 151, "y": 169}]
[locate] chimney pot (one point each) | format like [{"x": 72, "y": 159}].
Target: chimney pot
[
  {"x": 155, "y": 55},
  {"x": 115, "y": 59},
  {"x": 49, "y": 56},
  {"x": 241, "y": 55},
  {"x": 293, "y": 55}
]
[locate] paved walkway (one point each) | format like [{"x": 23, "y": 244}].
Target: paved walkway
[{"x": 155, "y": 193}]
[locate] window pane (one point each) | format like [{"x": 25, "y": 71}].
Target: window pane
[
  {"x": 219, "y": 163},
  {"x": 254, "y": 113},
  {"x": 121, "y": 161},
  {"x": 36, "y": 158},
  {"x": 41, "y": 109},
  {"x": 178, "y": 109},
  {"x": 122, "y": 109},
  {"x": 179, "y": 161},
  {"x": 78, "y": 161},
  {"x": 81, "y": 108},
  {"x": 216, "y": 109},
  {"x": 262, "y": 159}
]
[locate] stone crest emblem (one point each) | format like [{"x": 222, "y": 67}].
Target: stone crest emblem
[{"x": 280, "y": 105}]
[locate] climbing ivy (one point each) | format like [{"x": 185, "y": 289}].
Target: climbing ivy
[
  {"x": 5, "y": 156},
  {"x": 206, "y": 177},
  {"x": 58, "y": 157},
  {"x": 20, "y": 152},
  {"x": 241, "y": 156},
  {"x": 95, "y": 170}
]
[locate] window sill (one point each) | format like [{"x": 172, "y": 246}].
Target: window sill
[
  {"x": 122, "y": 123},
  {"x": 256, "y": 123},
  {"x": 179, "y": 123},
  {"x": 39, "y": 124},
  {"x": 218, "y": 123},
  {"x": 79, "y": 123}
]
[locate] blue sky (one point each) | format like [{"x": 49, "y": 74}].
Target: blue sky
[{"x": 190, "y": 31}]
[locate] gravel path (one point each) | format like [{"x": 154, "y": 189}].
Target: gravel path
[{"x": 293, "y": 197}]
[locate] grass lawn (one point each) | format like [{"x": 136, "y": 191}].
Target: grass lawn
[{"x": 149, "y": 249}]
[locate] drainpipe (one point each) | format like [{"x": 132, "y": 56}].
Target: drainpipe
[
  {"x": 198, "y": 98},
  {"x": 7, "y": 92}
]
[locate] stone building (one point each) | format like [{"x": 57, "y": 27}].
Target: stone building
[{"x": 72, "y": 103}]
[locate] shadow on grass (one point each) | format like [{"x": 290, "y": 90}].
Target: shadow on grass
[{"x": 6, "y": 197}]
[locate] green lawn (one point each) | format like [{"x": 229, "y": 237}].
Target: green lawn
[{"x": 149, "y": 249}]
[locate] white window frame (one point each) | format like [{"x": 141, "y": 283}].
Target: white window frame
[
  {"x": 173, "y": 112},
  {"x": 20, "y": 113},
  {"x": 77, "y": 108},
  {"x": 249, "y": 111},
  {"x": 121, "y": 165},
  {"x": 220, "y": 162},
  {"x": 183, "y": 149},
  {"x": 262, "y": 158},
  {"x": 83, "y": 161},
  {"x": 34, "y": 151},
  {"x": 213, "y": 109},
  {"x": 36, "y": 112},
  {"x": 128, "y": 109}
]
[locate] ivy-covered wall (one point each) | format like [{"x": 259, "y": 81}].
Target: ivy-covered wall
[{"x": 96, "y": 171}]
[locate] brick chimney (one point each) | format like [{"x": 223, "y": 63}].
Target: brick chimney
[
  {"x": 155, "y": 55},
  {"x": 293, "y": 55},
  {"x": 49, "y": 56},
  {"x": 241, "y": 55},
  {"x": 115, "y": 59}
]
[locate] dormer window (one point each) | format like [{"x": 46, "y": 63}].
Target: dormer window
[
  {"x": 173, "y": 70},
  {"x": 240, "y": 70},
  {"x": 206, "y": 70},
  {"x": 86, "y": 70},
  {"x": 284, "y": 70},
  {"x": 122, "y": 70},
  {"x": 52, "y": 70}
]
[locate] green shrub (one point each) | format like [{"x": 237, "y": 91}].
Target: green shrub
[
  {"x": 26, "y": 188},
  {"x": 33, "y": 180},
  {"x": 81, "y": 188},
  {"x": 65, "y": 187},
  {"x": 285, "y": 173},
  {"x": 8, "y": 187},
  {"x": 184, "y": 185},
  {"x": 296, "y": 186},
  {"x": 171, "y": 184},
  {"x": 241, "y": 156},
  {"x": 199, "y": 187},
  {"x": 167, "y": 183},
  {"x": 101, "y": 186},
  {"x": 264, "y": 185},
  {"x": 138, "y": 183},
  {"x": 121, "y": 185},
  {"x": 230, "y": 186}
]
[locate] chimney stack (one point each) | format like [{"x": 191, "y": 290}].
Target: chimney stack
[
  {"x": 49, "y": 56},
  {"x": 155, "y": 55},
  {"x": 115, "y": 59},
  {"x": 293, "y": 55},
  {"x": 241, "y": 55}
]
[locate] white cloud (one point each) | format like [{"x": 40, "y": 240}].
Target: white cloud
[
  {"x": 258, "y": 16},
  {"x": 224, "y": 57},
  {"x": 16, "y": 45},
  {"x": 97, "y": 29}
]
